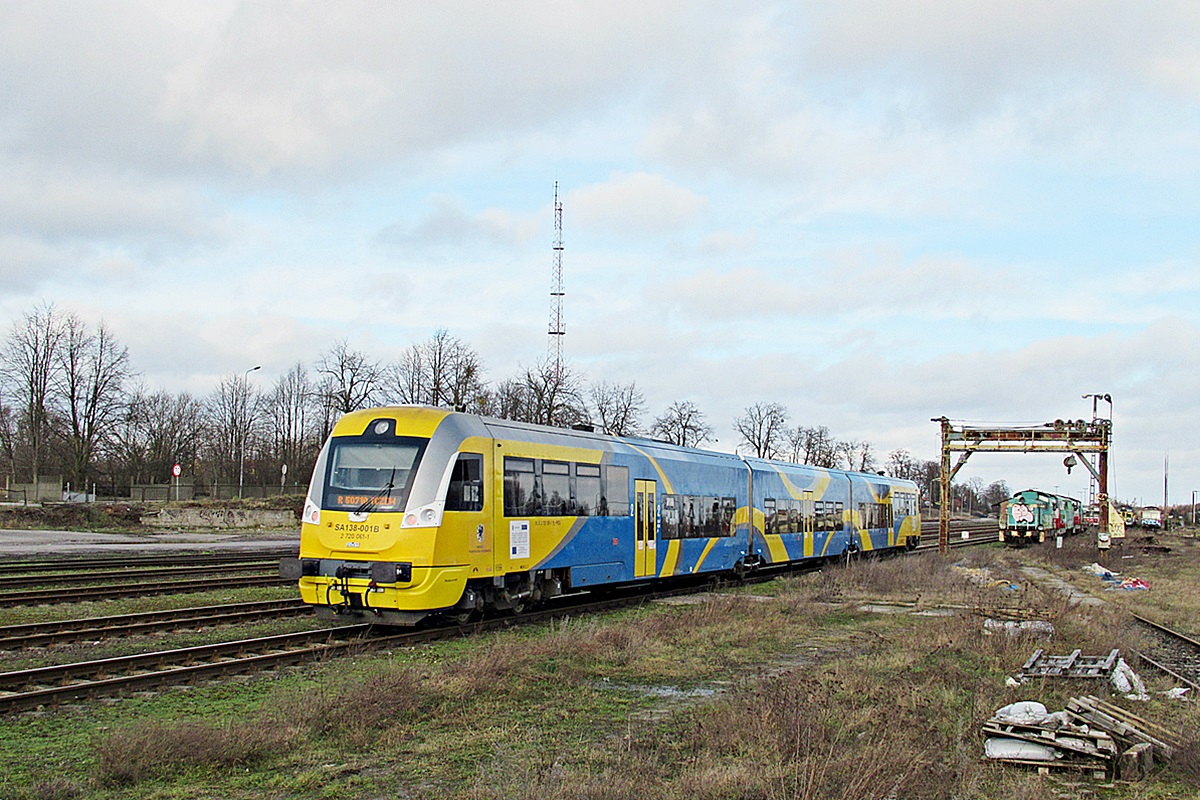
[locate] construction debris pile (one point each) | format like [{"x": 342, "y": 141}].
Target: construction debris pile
[
  {"x": 1113, "y": 580},
  {"x": 1090, "y": 736}
]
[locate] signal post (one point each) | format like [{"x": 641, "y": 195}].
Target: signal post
[{"x": 1076, "y": 437}]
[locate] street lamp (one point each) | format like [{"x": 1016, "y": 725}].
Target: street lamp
[{"x": 242, "y": 432}]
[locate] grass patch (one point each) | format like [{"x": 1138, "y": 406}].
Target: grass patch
[{"x": 793, "y": 692}]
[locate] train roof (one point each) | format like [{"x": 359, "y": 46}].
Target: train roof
[{"x": 482, "y": 425}]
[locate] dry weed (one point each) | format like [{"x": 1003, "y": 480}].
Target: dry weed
[
  {"x": 386, "y": 699},
  {"x": 150, "y": 749}
]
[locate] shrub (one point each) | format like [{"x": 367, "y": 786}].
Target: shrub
[{"x": 149, "y": 749}]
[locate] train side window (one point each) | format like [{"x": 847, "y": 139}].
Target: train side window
[
  {"x": 520, "y": 487},
  {"x": 615, "y": 501},
  {"x": 556, "y": 488},
  {"x": 466, "y": 484},
  {"x": 728, "y": 509},
  {"x": 670, "y": 516},
  {"x": 587, "y": 489},
  {"x": 769, "y": 515}
]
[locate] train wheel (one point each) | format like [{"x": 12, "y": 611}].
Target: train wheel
[{"x": 465, "y": 617}]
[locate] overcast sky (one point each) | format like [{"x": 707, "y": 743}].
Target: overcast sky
[{"x": 874, "y": 213}]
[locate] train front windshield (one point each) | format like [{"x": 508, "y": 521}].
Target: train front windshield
[{"x": 371, "y": 476}]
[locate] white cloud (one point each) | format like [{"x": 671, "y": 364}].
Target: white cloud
[
  {"x": 450, "y": 229},
  {"x": 635, "y": 204},
  {"x": 843, "y": 206}
]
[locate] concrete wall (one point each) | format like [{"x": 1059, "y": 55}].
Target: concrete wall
[
  {"x": 48, "y": 489},
  {"x": 220, "y": 518}
]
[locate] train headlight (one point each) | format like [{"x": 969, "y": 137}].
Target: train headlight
[
  {"x": 312, "y": 513},
  {"x": 429, "y": 516}
]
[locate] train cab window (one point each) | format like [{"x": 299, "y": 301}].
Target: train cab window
[
  {"x": 587, "y": 490},
  {"x": 615, "y": 501},
  {"x": 371, "y": 475},
  {"x": 521, "y": 496},
  {"x": 556, "y": 488},
  {"x": 466, "y": 484}
]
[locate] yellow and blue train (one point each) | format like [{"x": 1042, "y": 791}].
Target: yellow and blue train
[{"x": 415, "y": 511}]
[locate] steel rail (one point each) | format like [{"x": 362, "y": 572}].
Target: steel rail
[
  {"x": 80, "y": 594},
  {"x": 131, "y": 571},
  {"x": 39, "y": 634},
  {"x": 1175, "y": 653},
  {"x": 981, "y": 532},
  {"x": 29, "y": 689},
  {"x": 120, "y": 562},
  {"x": 47, "y": 686}
]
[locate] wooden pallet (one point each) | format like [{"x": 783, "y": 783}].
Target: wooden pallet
[
  {"x": 1096, "y": 771},
  {"x": 1073, "y": 665}
]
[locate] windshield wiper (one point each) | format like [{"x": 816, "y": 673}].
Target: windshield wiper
[{"x": 369, "y": 503}]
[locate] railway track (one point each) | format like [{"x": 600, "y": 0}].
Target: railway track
[
  {"x": 41, "y": 634},
  {"x": 45, "y": 686},
  {"x": 49, "y": 686},
  {"x": 85, "y": 593},
  {"x": 93, "y": 578},
  {"x": 23, "y": 690},
  {"x": 69, "y": 563},
  {"x": 980, "y": 532},
  {"x": 1170, "y": 652}
]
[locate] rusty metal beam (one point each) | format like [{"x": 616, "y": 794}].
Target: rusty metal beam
[{"x": 1060, "y": 436}]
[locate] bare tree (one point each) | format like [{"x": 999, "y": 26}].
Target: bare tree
[
  {"x": 763, "y": 428},
  {"x": 619, "y": 407},
  {"x": 158, "y": 430},
  {"x": 995, "y": 494},
  {"x": 232, "y": 414},
  {"x": 682, "y": 424},
  {"x": 290, "y": 412},
  {"x": 93, "y": 369},
  {"x": 405, "y": 380},
  {"x": 350, "y": 380},
  {"x": 859, "y": 456},
  {"x": 443, "y": 371},
  {"x": 552, "y": 395},
  {"x": 509, "y": 400},
  {"x": 901, "y": 464},
  {"x": 8, "y": 439},
  {"x": 813, "y": 445},
  {"x": 29, "y": 364}
]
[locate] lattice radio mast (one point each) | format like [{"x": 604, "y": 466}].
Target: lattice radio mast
[{"x": 557, "y": 330}]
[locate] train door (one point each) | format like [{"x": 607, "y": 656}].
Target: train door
[
  {"x": 467, "y": 525},
  {"x": 646, "y": 525}
]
